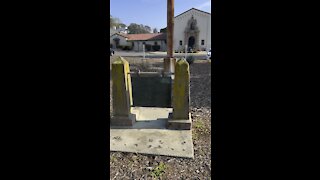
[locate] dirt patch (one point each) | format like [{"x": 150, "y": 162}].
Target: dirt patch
[{"x": 137, "y": 166}]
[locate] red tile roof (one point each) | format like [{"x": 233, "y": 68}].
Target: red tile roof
[{"x": 146, "y": 37}]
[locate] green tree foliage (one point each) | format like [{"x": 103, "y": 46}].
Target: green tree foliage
[
  {"x": 112, "y": 21},
  {"x": 147, "y": 28},
  {"x": 163, "y": 30},
  {"x": 133, "y": 27},
  {"x": 121, "y": 25},
  {"x": 116, "y": 22},
  {"x": 138, "y": 29},
  {"x": 155, "y": 30}
]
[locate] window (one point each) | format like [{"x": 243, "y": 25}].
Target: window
[
  {"x": 156, "y": 43},
  {"x": 202, "y": 42},
  {"x": 180, "y": 43},
  {"x": 144, "y": 43}
]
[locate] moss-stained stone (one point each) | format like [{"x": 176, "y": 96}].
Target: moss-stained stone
[
  {"x": 121, "y": 92},
  {"x": 181, "y": 118},
  {"x": 181, "y": 90}
]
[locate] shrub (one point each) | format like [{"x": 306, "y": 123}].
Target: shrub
[
  {"x": 148, "y": 47},
  {"x": 126, "y": 48},
  {"x": 158, "y": 171},
  {"x": 156, "y": 47}
]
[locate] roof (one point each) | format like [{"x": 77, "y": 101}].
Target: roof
[
  {"x": 120, "y": 34},
  {"x": 146, "y": 37},
  {"x": 192, "y": 9}
]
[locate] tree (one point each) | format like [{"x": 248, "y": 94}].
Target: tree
[
  {"x": 163, "y": 30},
  {"x": 137, "y": 29},
  {"x": 115, "y": 22},
  {"x": 112, "y": 21},
  {"x": 155, "y": 30},
  {"x": 121, "y": 25},
  {"x": 147, "y": 28}
]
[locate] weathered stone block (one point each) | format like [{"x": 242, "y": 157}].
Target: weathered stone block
[
  {"x": 123, "y": 120},
  {"x": 181, "y": 90},
  {"x": 121, "y": 91},
  {"x": 181, "y": 118},
  {"x": 181, "y": 124}
]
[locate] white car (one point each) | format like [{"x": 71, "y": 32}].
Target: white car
[{"x": 209, "y": 54}]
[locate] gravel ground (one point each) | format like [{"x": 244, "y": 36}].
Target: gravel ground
[{"x": 138, "y": 166}]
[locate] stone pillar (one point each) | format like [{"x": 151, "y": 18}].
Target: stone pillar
[
  {"x": 121, "y": 94},
  {"x": 180, "y": 118}
]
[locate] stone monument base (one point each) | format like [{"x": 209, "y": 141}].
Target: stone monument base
[
  {"x": 180, "y": 124},
  {"x": 149, "y": 135},
  {"x": 123, "y": 120}
]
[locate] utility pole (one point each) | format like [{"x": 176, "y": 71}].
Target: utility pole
[
  {"x": 169, "y": 61},
  {"x": 170, "y": 26}
]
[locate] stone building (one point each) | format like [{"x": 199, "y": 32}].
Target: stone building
[
  {"x": 153, "y": 41},
  {"x": 192, "y": 28},
  {"x": 119, "y": 39}
]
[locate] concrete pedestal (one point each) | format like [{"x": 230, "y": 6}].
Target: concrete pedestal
[
  {"x": 123, "y": 120},
  {"x": 149, "y": 135},
  {"x": 181, "y": 124}
]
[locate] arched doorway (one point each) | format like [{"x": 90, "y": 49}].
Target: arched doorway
[
  {"x": 191, "y": 42},
  {"x": 191, "y": 34}
]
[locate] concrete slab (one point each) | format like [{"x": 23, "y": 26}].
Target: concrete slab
[
  {"x": 153, "y": 141},
  {"x": 150, "y": 136}
]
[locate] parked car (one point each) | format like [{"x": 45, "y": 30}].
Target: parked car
[
  {"x": 111, "y": 52},
  {"x": 209, "y": 54}
]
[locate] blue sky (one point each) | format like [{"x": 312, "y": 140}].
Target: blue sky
[{"x": 152, "y": 12}]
